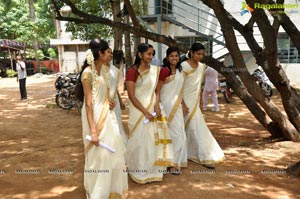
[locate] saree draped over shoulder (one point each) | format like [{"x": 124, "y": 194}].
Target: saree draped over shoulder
[
  {"x": 114, "y": 74},
  {"x": 171, "y": 98},
  {"x": 202, "y": 146},
  {"x": 105, "y": 173},
  {"x": 149, "y": 148}
]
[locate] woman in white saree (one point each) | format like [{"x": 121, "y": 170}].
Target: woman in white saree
[
  {"x": 149, "y": 148},
  {"x": 170, "y": 94},
  {"x": 202, "y": 146},
  {"x": 105, "y": 173},
  {"x": 114, "y": 94}
]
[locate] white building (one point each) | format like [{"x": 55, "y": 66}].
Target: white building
[
  {"x": 71, "y": 53},
  {"x": 190, "y": 21}
]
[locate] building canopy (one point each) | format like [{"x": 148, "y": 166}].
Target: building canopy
[{"x": 6, "y": 44}]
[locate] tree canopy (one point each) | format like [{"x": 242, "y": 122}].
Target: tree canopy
[
  {"x": 90, "y": 31},
  {"x": 15, "y": 23}
]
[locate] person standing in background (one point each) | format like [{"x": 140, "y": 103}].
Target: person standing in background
[
  {"x": 155, "y": 61},
  {"x": 119, "y": 62},
  {"x": 21, "y": 78},
  {"x": 115, "y": 95},
  {"x": 210, "y": 88}
]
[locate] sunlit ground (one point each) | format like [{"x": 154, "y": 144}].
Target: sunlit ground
[{"x": 42, "y": 156}]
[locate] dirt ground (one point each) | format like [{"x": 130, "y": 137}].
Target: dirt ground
[{"x": 41, "y": 153}]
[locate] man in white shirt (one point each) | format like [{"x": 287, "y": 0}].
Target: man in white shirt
[
  {"x": 21, "y": 78},
  {"x": 210, "y": 88}
]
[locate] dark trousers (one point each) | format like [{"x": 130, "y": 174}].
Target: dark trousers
[{"x": 22, "y": 85}]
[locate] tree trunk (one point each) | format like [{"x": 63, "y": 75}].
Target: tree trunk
[
  {"x": 128, "y": 57},
  {"x": 247, "y": 32},
  {"x": 241, "y": 91},
  {"x": 137, "y": 41},
  {"x": 116, "y": 10},
  {"x": 271, "y": 109},
  {"x": 276, "y": 74},
  {"x": 257, "y": 51},
  {"x": 132, "y": 15},
  {"x": 294, "y": 34},
  {"x": 35, "y": 41},
  {"x": 289, "y": 28}
]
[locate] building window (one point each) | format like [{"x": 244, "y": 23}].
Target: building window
[
  {"x": 83, "y": 47},
  {"x": 188, "y": 41},
  {"x": 163, "y": 6},
  {"x": 287, "y": 51},
  {"x": 70, "y": 48}
]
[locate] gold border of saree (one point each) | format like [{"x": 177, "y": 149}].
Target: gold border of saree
[{"x": 151, "y": 100}]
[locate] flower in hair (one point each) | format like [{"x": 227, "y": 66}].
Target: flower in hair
[
  {"x": 187, "y": 54},
  {"x": 89, "y": 57},
  {"x": 90, "y": 61}
]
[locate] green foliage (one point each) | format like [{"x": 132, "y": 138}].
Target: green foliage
[
  {"x": 101, "y": 8},
  {"x": 40, "y": 54},
  {"x": 11, "y": 73},
  {"x": 31, "y": 54},
  {"x": 15, "y": 22},
  {"x": 52, "y": 53},
  {"x": 89, "y": 31},
  {"x": 45, "y": 70},
  {"x": 140, "y": 7}
]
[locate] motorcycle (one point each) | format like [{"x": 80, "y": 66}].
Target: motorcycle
[
  {"x": 225, "y": 90},
  {"x": 65, "y": 92},
  {"x": 262, "y": 79}
]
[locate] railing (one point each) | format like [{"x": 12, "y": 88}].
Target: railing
[{"x": 197, "y": 18}]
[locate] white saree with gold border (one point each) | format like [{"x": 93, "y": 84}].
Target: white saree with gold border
[
  {"x": 202, "y": 146},
  {"x": 171, "y": 98},
  {"x": 114, "y": 82},
  {"x": 105, "y": 173},
  {"x": 149, "y": 148}
]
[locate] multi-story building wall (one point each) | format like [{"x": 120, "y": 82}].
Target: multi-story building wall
[{"x": 191, "y": 20}]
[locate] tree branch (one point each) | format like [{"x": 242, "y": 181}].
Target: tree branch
[
  {"x": 132, "y": 15},
  {"x": 276, "y": 73},
  {"x": 287, "y": 24},
  {"x": 91, "y": 19}
]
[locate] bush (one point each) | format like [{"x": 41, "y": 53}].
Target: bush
[
  {"x": 44, "y": 70},
  {"x": 52, "y": 53},
  {"x": 11, "y": 73}
]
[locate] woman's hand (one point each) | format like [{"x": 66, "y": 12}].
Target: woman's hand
[
  {"x": 95, "y": 139},
  {"x": 112, "y": 104},
  {"x": 149, "y": 116},
  {"x": 157, "y": 110}
]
